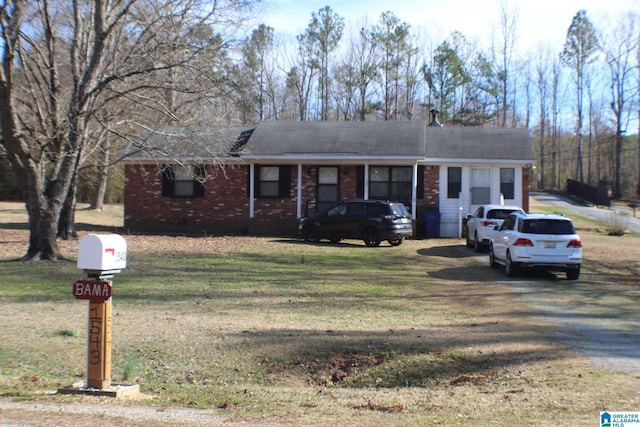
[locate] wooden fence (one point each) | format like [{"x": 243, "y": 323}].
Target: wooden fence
[{"x": 597, "y": 195}]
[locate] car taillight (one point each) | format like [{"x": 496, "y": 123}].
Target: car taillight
[
  {"x": 522, "y": 242},
  {"x": 575, "y": 244},
  {"x": 389, "y": 217},
  {"x": 489, "y": 223}
]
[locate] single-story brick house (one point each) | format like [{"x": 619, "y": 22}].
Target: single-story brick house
[{"x": 261, "y": 179}]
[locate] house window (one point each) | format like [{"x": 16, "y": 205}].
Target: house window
[
  {"x": 507, "y": 182},
  {"x": 273, "y": 181},
  {"x": 480, "y": 186},
  {"x": 183, "y": 181},
  {"x": 454, "y": 182},
  {"x": 327, "y": 187},
  {"x": 390, "y": 182}
]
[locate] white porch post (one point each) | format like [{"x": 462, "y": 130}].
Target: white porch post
[
  {"x": 366, "y": 181},
  {"x": 299, "y": 207},
  {"x": 252, "y": 171},
  {"x": 414, "y": 191}
]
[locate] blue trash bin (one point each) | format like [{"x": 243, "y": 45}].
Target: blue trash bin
[{"x": 431, "y": 224}]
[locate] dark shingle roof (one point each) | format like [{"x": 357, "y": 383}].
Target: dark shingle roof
[
  {"x": 350, "y": 139},
  {"x": 193, "y": 143},
  {"x": 335, "y": 141},
  {"x": 478, "y": 143}
]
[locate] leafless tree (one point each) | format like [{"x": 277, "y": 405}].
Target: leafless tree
[
  {"x": 503, "y": 56},
  {"x": 619, "y": 53},
  {"x": 62, "y": 62},
  {"x": 543, "y": 80}
]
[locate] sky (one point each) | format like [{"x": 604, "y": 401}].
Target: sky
[{"x": 540, "y": 22}]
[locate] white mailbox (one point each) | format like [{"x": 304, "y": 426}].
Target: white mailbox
[{"x": 102, "y": 254}]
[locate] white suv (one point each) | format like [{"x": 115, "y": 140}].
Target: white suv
[
  {"x": 547, "y": 241},
  {"x": 481, "y": 225}
]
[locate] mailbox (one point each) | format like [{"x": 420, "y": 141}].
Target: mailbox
[{"x": 102, "y": 255}]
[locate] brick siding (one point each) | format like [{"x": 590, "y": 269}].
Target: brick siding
[{"x": 224, "y": 209}]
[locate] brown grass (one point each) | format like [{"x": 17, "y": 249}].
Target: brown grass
[{"x": 439, "y": 339}]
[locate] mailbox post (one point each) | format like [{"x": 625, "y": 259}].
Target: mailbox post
[{"x": 100, "y": 256}]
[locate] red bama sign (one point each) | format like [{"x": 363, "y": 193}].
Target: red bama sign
[{"x": 95, "y": 290}]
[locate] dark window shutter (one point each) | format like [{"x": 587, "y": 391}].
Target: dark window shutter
[
  {"x": 360, "y": 182},
  {"x": 285, "y": 181},
  {"x": 167, "y": 181},
  {"x": 198, "y": 183},
  {"x": 420, "y": 186}
]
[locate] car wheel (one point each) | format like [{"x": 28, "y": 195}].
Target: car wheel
[
  {"x": 396, "y": 242},
  {"x": 477, "y": 246},
  {"x": 573, "y": 273},
  {"x": 492, "y": 258},
  {"x": 310, "y": 234},
  {"x": 510, "y": 269},
  {"x": 371, "y": 237}
]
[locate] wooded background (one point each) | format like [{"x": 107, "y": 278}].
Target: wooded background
[{"x": 82, "y": 79}]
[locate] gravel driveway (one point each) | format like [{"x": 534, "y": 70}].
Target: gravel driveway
[{"x": 606, "y": 327}]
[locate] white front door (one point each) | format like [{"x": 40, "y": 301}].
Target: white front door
[{"x": 480, "y": 188}]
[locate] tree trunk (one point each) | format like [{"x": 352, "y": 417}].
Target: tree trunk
[
  {"x": 103, "y": 175},
  {"x": 66, "y": 223},
  {"x": 43, "y": 226}
]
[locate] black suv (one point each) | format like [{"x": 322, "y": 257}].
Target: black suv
[{"x": 370, "y": 220}]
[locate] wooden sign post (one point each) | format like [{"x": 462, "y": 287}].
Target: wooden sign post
[
  {"x": 98, "y": 292},
  {"x": 100, "y": 256},
  {"x": 99, "y": 345}
]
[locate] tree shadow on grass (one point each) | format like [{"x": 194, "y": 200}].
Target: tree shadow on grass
[{"x": 456, "y": 251}]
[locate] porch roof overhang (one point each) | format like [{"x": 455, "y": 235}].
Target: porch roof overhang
[{"x": 285, "y": 159}]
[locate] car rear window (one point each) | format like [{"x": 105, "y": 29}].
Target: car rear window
[
  {"x": 398, "y": 209},
  {"x": 377, "y": 209},
  {"x": 547, "y": 226},
  {"x": 500, "y": 213}
]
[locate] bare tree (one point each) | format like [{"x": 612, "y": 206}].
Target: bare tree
[
  {"x": 556, "y": 72},
  {"x": 619, "y": 51},
  {"x": 638, "y": 118},
  {"x": 544, "y": 80},
  {"x": 503, "y": 55},
  {"x": 364, "y": 53},
  {"x": 101, "y": 51},
  {"x": 300, "y": 77}
]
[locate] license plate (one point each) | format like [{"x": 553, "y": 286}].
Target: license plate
[{"x": 550, "y": 245}]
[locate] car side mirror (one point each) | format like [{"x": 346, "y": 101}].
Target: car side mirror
[
  {"x": 496, "y": 227},
  {"x": 469, "y": 216}
]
